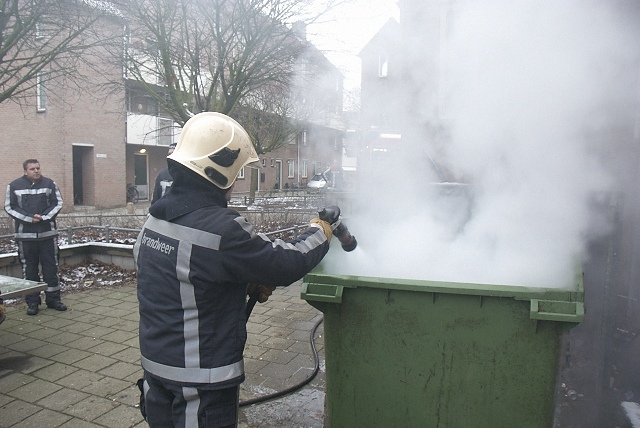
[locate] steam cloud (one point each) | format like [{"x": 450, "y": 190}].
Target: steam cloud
[{"x": 536, "y": 97}]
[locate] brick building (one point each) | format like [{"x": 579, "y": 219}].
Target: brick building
[{"x": 95, "y": 135}]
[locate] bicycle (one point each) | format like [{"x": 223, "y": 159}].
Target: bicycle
[{"x": 132, "y": 193}]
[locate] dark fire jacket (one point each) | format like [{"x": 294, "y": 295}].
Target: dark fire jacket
[
  {"x": 24, "y": 199},
  {"x": 194, "y": 259}
]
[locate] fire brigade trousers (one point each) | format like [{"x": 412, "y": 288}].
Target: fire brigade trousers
[
  {"x": 41, "y": 254},
  {"x": 168, "y": 405}
]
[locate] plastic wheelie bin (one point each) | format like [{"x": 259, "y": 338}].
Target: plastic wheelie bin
[{"x": 410, "y": 353}]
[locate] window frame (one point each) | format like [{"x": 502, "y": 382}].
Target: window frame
[{"x": 41, "y": 94}]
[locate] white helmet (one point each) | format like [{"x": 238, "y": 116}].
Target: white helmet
[{"x": 216, "y": 147}]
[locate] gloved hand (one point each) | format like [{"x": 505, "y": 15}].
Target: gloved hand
[
  {"x": 326, "y": 227},
  {"x": 264, "y": 291},
  {"x": 331, "y": 215}
]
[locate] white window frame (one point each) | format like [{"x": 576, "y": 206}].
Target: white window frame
[
  {"x": 383, "y": 65},
  {"x": 305, "y": 172},
  {"x": 241, "y": 174},
  {"x": 41, "y": 95},
  {"x": 291, "y": 168},
  {"x": 39, "y": 33}
]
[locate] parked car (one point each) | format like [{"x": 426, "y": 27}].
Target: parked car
[{"x": 318, "y": 181}]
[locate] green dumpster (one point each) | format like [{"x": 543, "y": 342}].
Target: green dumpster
[{"x": 410, "y": 353}]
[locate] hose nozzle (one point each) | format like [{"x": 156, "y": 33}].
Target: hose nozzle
[{"x": 331, "y": 215}]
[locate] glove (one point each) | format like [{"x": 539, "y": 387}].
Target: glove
[
  {"x": 325, "y": 226},
  {"x": 331, "y": 215},
  {"x": 264, "y": 291}
]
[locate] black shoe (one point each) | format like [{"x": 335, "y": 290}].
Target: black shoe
[
  {"x": 33, "y": 309},
  {"x": 58, "y": 306}
]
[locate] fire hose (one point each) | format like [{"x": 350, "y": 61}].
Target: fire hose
[{"x": 331, "y": 215}]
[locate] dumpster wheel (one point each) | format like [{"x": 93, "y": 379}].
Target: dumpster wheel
[{"x": 316, "y": 369}]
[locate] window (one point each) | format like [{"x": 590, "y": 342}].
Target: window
[
  {"x": 142, "y": 104},
  {"x": 241, "y": 174},
  {"x": 383, "y": 65},
  {"x": 41, "y": 95},
  {"x": 39, "y": 34},
  {"x": 292, "y": 168},
  {"x": 302, "y": 138},
  {"x": 264, "y": 161},
  {"x": 304, "y": 169},
  {"x": 165, "y": 131}
]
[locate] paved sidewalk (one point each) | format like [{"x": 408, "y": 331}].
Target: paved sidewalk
[{"x": 78, "y": 368}]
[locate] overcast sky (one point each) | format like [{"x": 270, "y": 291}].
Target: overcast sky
[{"x": 347, "y": 29}]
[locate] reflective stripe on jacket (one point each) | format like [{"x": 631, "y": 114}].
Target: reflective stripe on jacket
[
  {"x": 192, "y": 275},
  {"x": 23, "y": 199}
]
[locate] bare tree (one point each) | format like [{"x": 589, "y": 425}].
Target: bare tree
[
  {"x": 237, "y": 57},
  {"x": 44, "y": 39},
  {"x": 210, "y": 55}
]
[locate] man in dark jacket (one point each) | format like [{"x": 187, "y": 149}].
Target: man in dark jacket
[
  {"x": 34, "y": 201},
  {"x": 195, "y": 259},
  {"x": 163, "y": 179}
]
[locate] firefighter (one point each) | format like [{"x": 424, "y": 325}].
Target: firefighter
[
  {"x": 34, "y": 202},
  {"x": 195, "y": 260}
]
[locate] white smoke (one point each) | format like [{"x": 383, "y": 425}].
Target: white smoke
[{"x": 536, "y": 95}]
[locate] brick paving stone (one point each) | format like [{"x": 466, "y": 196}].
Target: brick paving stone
[
  {"x": 85, "y": 343},
  {"x": 16, "y": 411},
  {"x": 4, "y": 399},
  {"x": 63, "y": 337},
  {"x": 82, "y": 306},
  {"x": 106, "y": 386},
  {"x": 34, "y": 391},
  {"x": 131, "y": 355},
  {"x": 256, "y": 328},
  {"x": 44, "y": 418},
  {"x": 120, "y": 370},
  {"x": 62, "y": 399},
  {"x": 278, "y": 332},
  {"x": 14, "y": 380},
  {"x": 54, "y": 371},
  {"x": 277, "y": 343},
  {"x": 91, "y": 408},
  {"x": 106, "y": 301},
  {"x": 253, "y": 351},
  {"x": 89, "y": 363},
  {"x": 35, "y": 363},
  {"x": 129, "y": 396},
  {"x": 79, "y": 423},
  {"x": 133, "y": 342},
  {"x": 8, "y": 338},
  {"x": 79, "y": 379},
  {"x": 121, "y": 417},
  {"x": 70, "y": 356},
  {"x": 76, "y": 327},
  {"x": 254, "y": 365},
  {"x": 42, "y": 333},
  {"x": 107, "y": 348},
  {"x": 24, "y": 345},
  {"x": 120, "y": 336},
  {"x": 94, "y": 362},
  {"x": 102, "y": 310},
  {"x": 98, "y": 331},
  {"x": 278, "y": 356},
  {"x": 47, "y": 350}
]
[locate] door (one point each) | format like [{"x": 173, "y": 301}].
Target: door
[
  {"x": 141, "y": 178},
  {"x": 278, "y": 184},
  {"x": 82, "y": 173}
]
